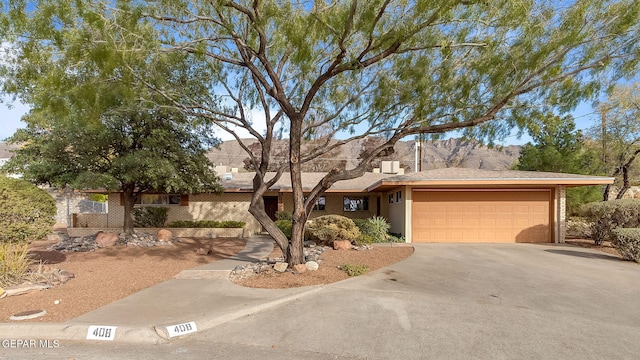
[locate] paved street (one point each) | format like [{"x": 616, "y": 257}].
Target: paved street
[{"x": 448, "y": 301}]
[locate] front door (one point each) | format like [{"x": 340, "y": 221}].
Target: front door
[{"x": 271, "y": 206}]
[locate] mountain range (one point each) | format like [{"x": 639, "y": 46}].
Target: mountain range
[{"x": 435, "y": 154}]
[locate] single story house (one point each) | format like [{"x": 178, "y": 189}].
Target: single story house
[{"x": 441, "y": 205}]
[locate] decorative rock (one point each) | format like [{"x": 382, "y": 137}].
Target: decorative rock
[
  {"x": 165, "y": 235},
  {"x": 280, "y": 266},
  {"x": 312, "y": 265},
  {"x": 26, "y": 315},
  {"x": 25, "y": 289},
  {"x": 309, "y": 244},
  {"x": 342, "y": 245},
  {"x": 106, "y": 239},
  {"x": 202, "y": 251},
  {"x": 299, "y": 268}
]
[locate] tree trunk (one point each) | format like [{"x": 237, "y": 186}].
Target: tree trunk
[
  {"x": 625, "y": 181},
  {"x": 299, "y": 217},
  {"x": 129, "y": 202},
  {"x": 256, "y": 208}
]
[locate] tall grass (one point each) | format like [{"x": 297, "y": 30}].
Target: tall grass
[{"x": 14, "y": 263}]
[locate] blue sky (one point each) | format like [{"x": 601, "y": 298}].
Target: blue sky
[{"x": 11, "y": 117}]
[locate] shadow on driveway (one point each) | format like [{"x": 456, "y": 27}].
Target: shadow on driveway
[{"x": 584, "y": 254}]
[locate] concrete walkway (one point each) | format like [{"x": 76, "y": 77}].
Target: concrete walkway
[{"x": 203, "y": 295}]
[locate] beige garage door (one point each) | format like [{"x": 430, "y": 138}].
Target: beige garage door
[{"x": 481, "y": 216}]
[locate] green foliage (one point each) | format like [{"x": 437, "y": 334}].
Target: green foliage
[
  {"x": 285, "y": 226},
  {"x": 207, "y": 224},
  {"x": 606, "y": 216},
  {"x": 150, "y": 216},
  {"x": 102, "y": 198},
  {"x": 627, "y": 242},
  {"x": 325, "y": 229},
  {"x": 283, "y": 215},
  {"x": 558, "y": 147},
  {"x": 617, "y": 136},
  {"x": 27, "y": 213},
  {"x": 14, "y": 263},
  {"x": 354, "y": 270},
  {"x": 373, "y": 230}
]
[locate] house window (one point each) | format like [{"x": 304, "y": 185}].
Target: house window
[
  {"x": 320, "y": 203},
  {"x": 399, "y": 196},
  {"x": 391, "y": 198},
  {"x": 158, "y": 199},
  {"x": 356, "y": 203}
]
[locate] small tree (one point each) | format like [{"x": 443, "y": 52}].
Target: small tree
[
  {"x": 27, "y": 213},
  {"x": 558, "y": 147},
  {"x": 618, "y": 136}
]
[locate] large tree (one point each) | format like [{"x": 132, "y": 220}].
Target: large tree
[
  {"x": 350, "y": 69},
  {"x": 618, "y": 136},
  {"x": 557, "y": 146},
  {"x": 91, "y": 124}
]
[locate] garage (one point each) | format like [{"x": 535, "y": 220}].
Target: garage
[{"x": 491, "y": 215}]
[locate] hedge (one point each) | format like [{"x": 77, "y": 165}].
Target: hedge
[
  {"x": 609, "y": 215},
  {"x": 27, "y": 212},
  {"x": 207, "y": 224},
  {"x": 627, "y": 242}
]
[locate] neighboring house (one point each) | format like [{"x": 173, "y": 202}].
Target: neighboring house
[{"x": 441, "y": 205}]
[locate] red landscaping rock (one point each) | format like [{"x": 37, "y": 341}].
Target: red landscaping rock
[
  {"x": 106, "y": 239},
  {"x": 342, "y": 245},
  {"x": 165, "y": 235}
]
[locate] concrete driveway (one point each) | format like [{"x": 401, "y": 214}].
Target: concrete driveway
[
  {"x": 463, "y": 301},
  {"x": 447, "y": 301}
]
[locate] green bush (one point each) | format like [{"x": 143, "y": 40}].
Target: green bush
[
  {"x": 373, "y": 230},
  {"x": 325, "y": 229},
  {"x": 353, "y": 270},
  {"x": 627, "y": 242},
  {"x": 227, "y": 224},
  {"x": 285, "y": 226},
  {"x": 283, "y": 215},
  {"x": 27, "y": 212},
  {"x": 150, "y": 216},
  {"x": 608, "y": 215}
]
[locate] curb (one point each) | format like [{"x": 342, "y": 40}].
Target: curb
[{"x": 154, "y": 334}]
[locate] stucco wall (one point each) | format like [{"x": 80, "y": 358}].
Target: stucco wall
[
  {"x": 396, "y": 213},
  {"x": 228, "y": 206},
  {"x": 334, "y": 205}
]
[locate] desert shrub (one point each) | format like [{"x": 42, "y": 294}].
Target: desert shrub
[
  {"x": 353, "y": 270},
  {"x": 627, "y": 242},
  {"x": 373, "y": 230},
  {"x": 150, "y": 216},
  {"x": 207, "y": 224},
  {"x": 608, "y": 215},
  {"x": 397, "y": 238},
  {"x": 14, "y": 263},
  {"x": 578, "y": 228},
  {"x": 26, "y": 212},
  {"x": 325, "y": 229},
  {"x": 285, "y": 227},
  {"x": 283, "y": 215}
]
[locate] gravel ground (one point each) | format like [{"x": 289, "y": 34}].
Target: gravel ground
[{"x": 331, "y": 260}]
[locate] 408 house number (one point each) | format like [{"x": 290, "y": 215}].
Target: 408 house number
[
  {"x": 101, "y": 332},
  {"x": 181, "y": 329}
]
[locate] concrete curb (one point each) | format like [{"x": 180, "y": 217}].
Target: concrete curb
[
  {"x": 74, "y": 332},
  {"x": 154, "y": 334},
  {"x": 206, "y": 323}
]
